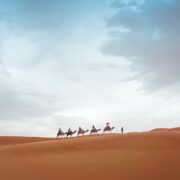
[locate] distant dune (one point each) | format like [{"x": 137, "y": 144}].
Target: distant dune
[
  {"x": 14, "y": 140},
  {"x": 167, "y": 129},
  {"x": 153, "y": 155}
]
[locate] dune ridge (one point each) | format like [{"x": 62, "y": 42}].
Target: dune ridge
[{"x": 167, "y": 129}]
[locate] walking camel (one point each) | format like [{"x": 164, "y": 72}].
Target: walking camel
[
  {"x": 70, "y": 133},
  {"x": 60, "y": 133},
  {"x": 94, "y": 130},
  {"x": 108, "y": 128},
  {"x": 81, "y": 131}
]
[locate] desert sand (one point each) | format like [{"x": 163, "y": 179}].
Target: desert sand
[{"x": 153, "y": 155}]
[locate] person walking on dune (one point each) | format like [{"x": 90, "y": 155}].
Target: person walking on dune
[{"x": 122, "y": 130}]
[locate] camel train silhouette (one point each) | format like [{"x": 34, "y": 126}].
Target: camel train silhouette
[{"x": 80, "y": 131}]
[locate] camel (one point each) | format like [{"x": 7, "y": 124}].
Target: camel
[
  {"x": 81, "y": 131},
  {"x": 108, "y": 129},
  {"x": 60, "y": 133},
  {"x": 70, "y": 133},
  {"x": 94, "y": 131}
]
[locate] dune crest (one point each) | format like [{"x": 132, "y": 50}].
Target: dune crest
[{"x": 166, "y": 129}]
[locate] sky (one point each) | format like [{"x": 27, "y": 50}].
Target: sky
[{"x": 71, "y": 63}]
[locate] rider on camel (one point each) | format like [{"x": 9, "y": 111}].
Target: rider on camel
[
  {"x": 107, "y": 126},
  {"x": 93, "y": 127},
  {"x": 80, "y": 129},
  {"x": 69, "y": 130}
]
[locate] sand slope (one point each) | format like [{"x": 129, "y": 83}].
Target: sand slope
[{"x": 152, "y": 155}]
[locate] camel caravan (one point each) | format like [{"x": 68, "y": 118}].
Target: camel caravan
[{"x": 82, "y": 132}]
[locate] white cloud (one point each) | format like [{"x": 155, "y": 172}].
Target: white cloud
[{"x": 152, "y": 42}]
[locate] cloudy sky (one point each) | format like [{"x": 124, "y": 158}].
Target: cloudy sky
[{"x": 65, "y": 63}]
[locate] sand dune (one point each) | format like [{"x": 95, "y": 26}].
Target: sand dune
[
  {"x": 135, "y": 156},
  {"x": 167, "y": 129}
]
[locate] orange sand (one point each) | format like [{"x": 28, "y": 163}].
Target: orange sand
[{"x": 153, "y": 155}]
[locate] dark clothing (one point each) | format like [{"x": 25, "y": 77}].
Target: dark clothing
[{"x": 122, "y": 130}]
